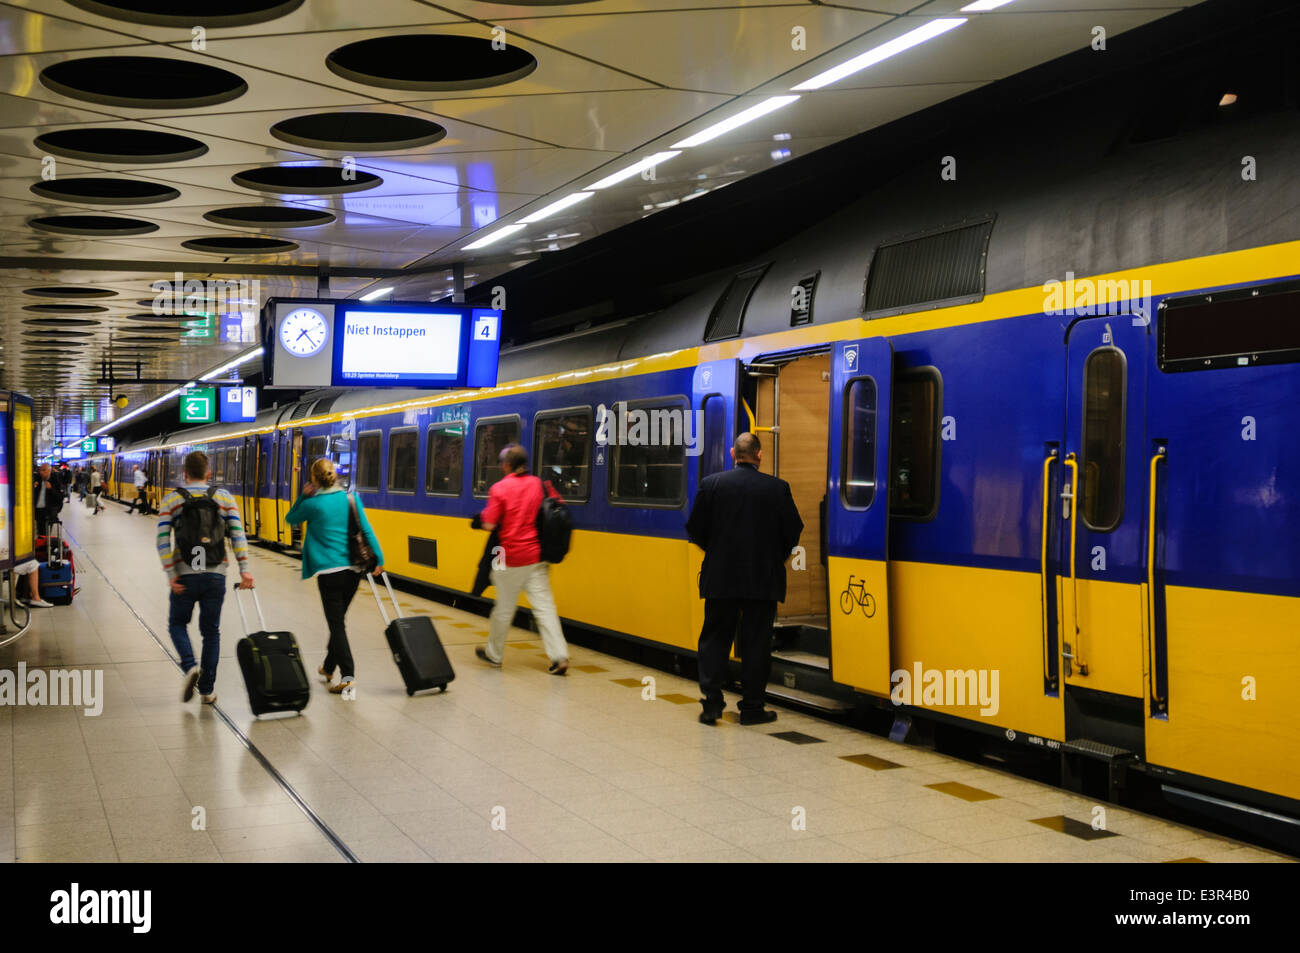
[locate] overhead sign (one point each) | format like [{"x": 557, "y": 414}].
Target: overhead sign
[
  {"x": 198, "y": 406},
  {"x": 313, "y": 342},
  {"x": 106, "y": 444},
  {"x": 89, "y": 445},
  {"x": 238, "y": 404}
]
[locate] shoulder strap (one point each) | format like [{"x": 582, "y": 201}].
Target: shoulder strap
[
  {"x": 185, "y": 494},
  {"x": 212, "y": 491}
]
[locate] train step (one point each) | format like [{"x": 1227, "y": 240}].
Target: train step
[
  {"x": 798, "y": 657},
  {"x": 1098, "y": 750},
  {"x": 795, "y": 696}
]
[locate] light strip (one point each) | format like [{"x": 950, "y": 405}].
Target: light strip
[
  {"x": 231, "y": 365},
  {"x": 882, "y": 52},
  {"x": 749, "y": 115},
  {"x": 982, "y": 6},
  {"x": 646, "y": 163},
  {"x": 554, "y": 207},
  {"x": 379, "y": 292},
  {"x": 496, "y": 236}
]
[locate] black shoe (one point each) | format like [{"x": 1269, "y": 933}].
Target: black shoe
[
  {"x": 711, "y": 713},
  {"x": 761, "y": 717},
  {"x": 482, "y": 653},
  {"x": 559, "y": 668}
]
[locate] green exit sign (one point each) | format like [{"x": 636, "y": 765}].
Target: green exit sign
[
  {"x": 88, "y": 445},
  {"x": 199, "y": 406}
]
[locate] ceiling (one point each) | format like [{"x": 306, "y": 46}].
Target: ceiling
[{"x": 445, "y": 139}]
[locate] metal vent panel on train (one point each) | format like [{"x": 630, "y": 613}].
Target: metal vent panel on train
[
  {"x": 801, "y": 300},
  {"x": 940, "y": 269},
  {"x": 728, "y": 317},
  {"x": 422, "y": 551}
]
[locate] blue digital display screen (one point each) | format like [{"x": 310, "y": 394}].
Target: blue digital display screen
[{"x": 415, "y": 345}]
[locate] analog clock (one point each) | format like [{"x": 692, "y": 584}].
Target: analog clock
[{"x": 303, "y": 332}]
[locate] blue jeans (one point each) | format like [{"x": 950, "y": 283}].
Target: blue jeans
[{"x": 208, "y": 589}]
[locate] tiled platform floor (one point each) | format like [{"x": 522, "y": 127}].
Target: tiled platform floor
[{"x": 579, "y": 768}]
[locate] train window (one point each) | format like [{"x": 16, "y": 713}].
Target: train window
[
  {"x": 490, "y": 438},
  {"x": 367, "y": 477},
  {"x": 315, "y": 450},
  {"x": 562, "y": 452},
  {"x": 232, "y": 466},
  {"x": 1101, "y": 470},
  {"x": 914, "y": 444},
  {"x": 403, "y": 459},
  {"x": 713, "y": 455},
  {"x": 648, "y": 454},
  {"x": 444, "y": 467},
  {"x": 217, "y": 467},
  {"x": 858, "y": 480}
]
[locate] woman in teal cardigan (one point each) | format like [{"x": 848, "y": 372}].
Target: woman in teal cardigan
[{"x": 323, "y": 506}]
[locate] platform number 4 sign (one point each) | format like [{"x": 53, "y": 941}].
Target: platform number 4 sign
[{"x": 485, "y": 327}]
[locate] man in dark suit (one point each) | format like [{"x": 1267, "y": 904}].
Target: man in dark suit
[
  {"x": 747, "y": 524},
  {"x": 47, "y": 495}
]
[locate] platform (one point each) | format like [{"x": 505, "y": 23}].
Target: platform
[{"x": 582, "y": 768}]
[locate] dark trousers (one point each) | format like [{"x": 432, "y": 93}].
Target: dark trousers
[
  {"x": 336, "y": 592},
  {"x": 45, "y": 515},
  {"x": 142, "y": 499},
  {"x": 723, "y": 619},
  {"x": 208, "y": 590}
]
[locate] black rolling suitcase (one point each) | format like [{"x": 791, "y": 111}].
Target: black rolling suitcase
[
  {"x": 272, "y": 666},
  {"x": 416, "y": 648}
]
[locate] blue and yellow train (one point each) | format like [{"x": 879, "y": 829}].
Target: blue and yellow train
[{"x": 1061, "y": 509}]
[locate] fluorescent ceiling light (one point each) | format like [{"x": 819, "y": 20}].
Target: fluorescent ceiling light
[
  {"x": 231, "y": 365},
  {"x": 554, "y": 207},
  {"x": 377, "y": 293},
  {"x": 882, "y": 52},
  {"x": 491, "y": 237},
  {"x": 646, "y": 163},
  {"x": 749, "y": 115},
  {"x": 981, "y": 6}
]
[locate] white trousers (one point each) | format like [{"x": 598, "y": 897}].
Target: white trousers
[{"x": 536, "y": 581}]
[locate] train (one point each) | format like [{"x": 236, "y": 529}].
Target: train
[{"x": 1039, "y": 425}]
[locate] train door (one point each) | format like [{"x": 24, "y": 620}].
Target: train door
[
  {"x": 248, "y": 486},
  {"x": 788, "y": 396},
  {"x": 857, "y": 512},
  {"x": 279, "y": 452},
  {"x": 294, "y": 533},
  {"x": 1103, "y": 484}
]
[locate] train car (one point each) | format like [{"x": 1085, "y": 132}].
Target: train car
[{"x": 1042, "y": 447}]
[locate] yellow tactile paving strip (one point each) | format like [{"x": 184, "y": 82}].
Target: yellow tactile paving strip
[{"x": 509, "y": 764}]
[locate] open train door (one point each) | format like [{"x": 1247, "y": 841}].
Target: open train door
[{"x": 857, "y": 512}]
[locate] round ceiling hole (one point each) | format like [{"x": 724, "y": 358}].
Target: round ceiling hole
[
  {"x": 306, "y": 179},
  {"x": 120, "y": 145},
  {"x": 92, "y": 225},
  {"x": 269, "y": 216},
  {"x": 430, "y": 61},
  {"x": 62, "y": 322},
  {"x": 213, "y": 14},
  {"x": 240, "y": 245},
  {"x": 95, "y": 191},
  {"x": 143, "y": 82},
  {"x": 359, "y": 131},
  {"x": 65, "y": 308},
  {"x": 70, "y": 291}
]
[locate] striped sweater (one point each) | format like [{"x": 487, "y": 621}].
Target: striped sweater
[{"x": 170, "y": 509}]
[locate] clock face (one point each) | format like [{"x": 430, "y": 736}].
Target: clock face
[{"x": 304, "y": 332}]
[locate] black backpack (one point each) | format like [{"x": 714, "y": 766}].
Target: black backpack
[
  {"x": 554, "y": 527},
  {"x": 200, "y": 525}
]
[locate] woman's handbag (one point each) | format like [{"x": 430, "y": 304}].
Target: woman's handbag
[{"x": 359, "y": 551}]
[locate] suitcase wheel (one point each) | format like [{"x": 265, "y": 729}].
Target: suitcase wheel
[
  {"x": 409, "y": 693},
  {"x": 442, "y": 687}
]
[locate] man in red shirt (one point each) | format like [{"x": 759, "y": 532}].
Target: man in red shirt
[{"x": 511, "y": 509}]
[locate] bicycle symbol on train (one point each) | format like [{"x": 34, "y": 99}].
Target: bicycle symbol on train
[{"x": 857, "y": 593}]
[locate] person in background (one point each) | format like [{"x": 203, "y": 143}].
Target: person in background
[
  {"x": 324, "y": 506},
  {"x": 96, "y": 481},
  {"x": 747, "y": 524},
  {"x": 140, "y": 481},
  {"x": 48, "y": 495},
  {"x": 511, "y": 509},
  {"x": 201, "y": 518}
]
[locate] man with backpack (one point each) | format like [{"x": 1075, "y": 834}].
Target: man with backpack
[
  {"x": 200, "y": 518},
  {"x": 513, "y": 509}
]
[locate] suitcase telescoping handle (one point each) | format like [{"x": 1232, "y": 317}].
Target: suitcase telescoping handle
[
  {"x": 380, "y": 602},
  {"x": 244, "y": 619}
]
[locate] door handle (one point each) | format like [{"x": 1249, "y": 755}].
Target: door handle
[
  {"x": 1047, "y": 486},
  {"x": 1070, "y": 512},
  {"x": 1153, "y": 683}
]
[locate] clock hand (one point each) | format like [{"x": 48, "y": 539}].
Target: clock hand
[{"x": 303, "y": 334}]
